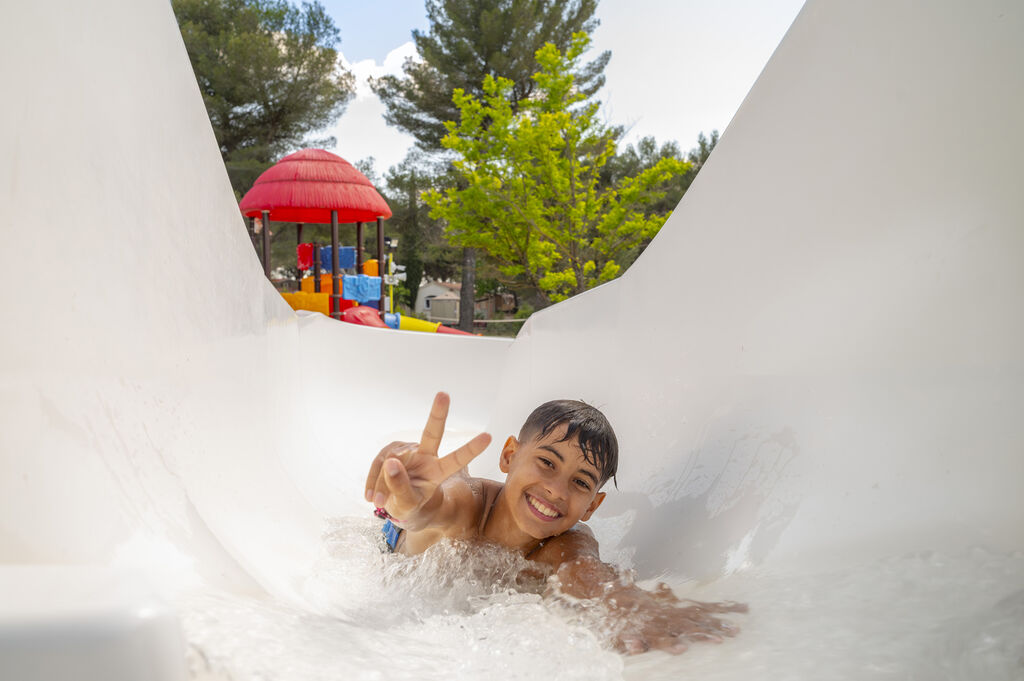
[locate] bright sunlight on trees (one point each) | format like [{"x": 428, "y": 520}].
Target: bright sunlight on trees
[{"x": 532, "y": 195}]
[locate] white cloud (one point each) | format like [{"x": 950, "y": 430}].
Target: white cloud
[{"x": 361, "y": 131}]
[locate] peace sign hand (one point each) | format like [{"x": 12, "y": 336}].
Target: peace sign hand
[{"x": 405, "y": 477}]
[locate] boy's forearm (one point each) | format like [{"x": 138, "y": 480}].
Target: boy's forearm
[
  {"x": 640, "y": 619},
  {"x": 587, "y": 577}
]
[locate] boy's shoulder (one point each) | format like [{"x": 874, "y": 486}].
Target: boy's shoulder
[
  {"x": 473, "y": 498},
  {"x": 484, "y": 493},
  {"x": 576, "y": 542}
]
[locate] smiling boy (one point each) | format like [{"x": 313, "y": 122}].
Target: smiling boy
[{"x": 566, "y": 451}]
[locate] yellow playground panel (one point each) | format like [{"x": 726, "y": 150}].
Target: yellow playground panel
[
  {"x": 320, "y": 302},
  {"x": 307, "y": 300}
]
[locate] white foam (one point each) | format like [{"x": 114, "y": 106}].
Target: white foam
[
  {"x": 451, "y": 613},
  {"x": 456, "y": 613}
]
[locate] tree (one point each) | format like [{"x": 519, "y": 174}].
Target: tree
[
  {"x": 471, "y": 39},
  {"x": 269, "y": 77},
  {"x": 646, "y": 154},
  {"x": 421, "y": 246},
  {"x": 532, "y": 195},
  {"x": 467, "y": 41}
]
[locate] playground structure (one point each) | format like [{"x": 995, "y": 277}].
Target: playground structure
[
  {"x": 316, "y": 186},
  {"x": 840, "y": 382},
  {"x": 311, "y": 256}
]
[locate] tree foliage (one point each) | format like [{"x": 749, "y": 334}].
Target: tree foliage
[
  {"x": 422, "y": 247},
  {"x": 269, "y": 76},
  {"x": 532, "y": 194},
  {"x": 633, "y": 160},
  {"x": 468, "y": 40},
  {"x": 471, "y": 39}
]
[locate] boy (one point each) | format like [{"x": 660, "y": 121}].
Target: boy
[{"x": 555, "y": 469}]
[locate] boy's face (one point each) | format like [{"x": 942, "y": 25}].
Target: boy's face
[{"x": 550, "y": 486}]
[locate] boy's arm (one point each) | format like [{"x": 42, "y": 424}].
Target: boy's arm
[{"x": 643, "y": 620}]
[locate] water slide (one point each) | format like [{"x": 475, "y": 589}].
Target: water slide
[{"x": 820, "y": 414}]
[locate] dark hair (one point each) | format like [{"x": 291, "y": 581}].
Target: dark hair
[{"x": 587, "y": 424}]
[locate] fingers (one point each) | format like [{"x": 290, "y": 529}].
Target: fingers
[
  {"x": 371, "y": 479},
  {"x": 678, "y": 647},
  {"x": 402, "y": 496},
  {"x": 394, "y": 449},
  {"x": 670, "y": 644},
  {"x": 376, "y": 489},
  {"x": 633, "y": 645},
  {"x": 460, "y": 458},
  {"x": 420, "y": 462},
  {"x": 662, "y": 592},
  {"x": 434, "y": 430}
]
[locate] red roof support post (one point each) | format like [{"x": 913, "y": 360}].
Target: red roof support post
[
  {"x": 266, "y": 243},
  {"x": 380, "y": 262},
  {"x": 298, "y": 242},
  {"x": 335, "y": 274},
  {"x": 316, "y": 266},
  {"x": 359, "y": 248}
]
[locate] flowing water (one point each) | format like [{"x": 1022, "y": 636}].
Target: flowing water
[{"x": 468, "y": 612}]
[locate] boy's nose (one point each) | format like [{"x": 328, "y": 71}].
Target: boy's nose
[{"x": 558, "y": 489}]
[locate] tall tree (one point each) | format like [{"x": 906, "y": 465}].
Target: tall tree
[
  {"x": 471, "y": 39},
  {"x": 269, "y": 75},
  {"x": 532, "y": 193},
  {"x": 422, "y": 247},
  {"x": 467, "y": 41}
]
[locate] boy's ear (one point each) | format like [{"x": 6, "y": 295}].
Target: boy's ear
[
  {"x": 511, "y": 445},
  {"x": 593, "y": 506}
]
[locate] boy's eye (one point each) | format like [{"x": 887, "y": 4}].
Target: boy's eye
[
  {"x": 547, "y": 462},
  {"x": 583, "y": 483}
]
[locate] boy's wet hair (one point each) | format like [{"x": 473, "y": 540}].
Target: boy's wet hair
[{"x": 585, "y": 423}]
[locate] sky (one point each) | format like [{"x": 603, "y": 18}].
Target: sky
[{"x": 678, "y": 67}]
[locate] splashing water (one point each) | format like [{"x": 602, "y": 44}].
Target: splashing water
[
  {"x": 458, "y": 611},
  {"x": 476, "y": 612}
]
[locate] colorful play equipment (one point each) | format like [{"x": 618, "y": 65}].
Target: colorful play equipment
[
  {"x": 367, "y": 316},
  {"x": 318, "y": 187},
  {"x": 315, "y": 186}
]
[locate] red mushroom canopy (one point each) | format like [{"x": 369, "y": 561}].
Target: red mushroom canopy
[{"x": 307, "y": 185}]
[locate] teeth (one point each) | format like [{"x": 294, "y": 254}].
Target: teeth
[{"x": 542, "y": 508}]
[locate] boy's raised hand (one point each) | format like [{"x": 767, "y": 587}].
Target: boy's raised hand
[{"x": 405, "y": 476}]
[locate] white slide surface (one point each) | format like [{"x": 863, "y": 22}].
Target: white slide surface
[{"x": 817, "y": 362}]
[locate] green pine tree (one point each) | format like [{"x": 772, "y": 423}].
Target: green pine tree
[{"x": 268, "y": 74}]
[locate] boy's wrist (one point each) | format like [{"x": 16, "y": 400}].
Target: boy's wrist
[
  {"x": 425, "y": 514},
  {"x": 430, "y": 509}
]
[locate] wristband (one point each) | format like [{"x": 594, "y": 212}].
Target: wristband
[{"x": 381, "y": 513}]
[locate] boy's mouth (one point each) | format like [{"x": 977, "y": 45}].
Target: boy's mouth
[{"x": 541, "y": 509}]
